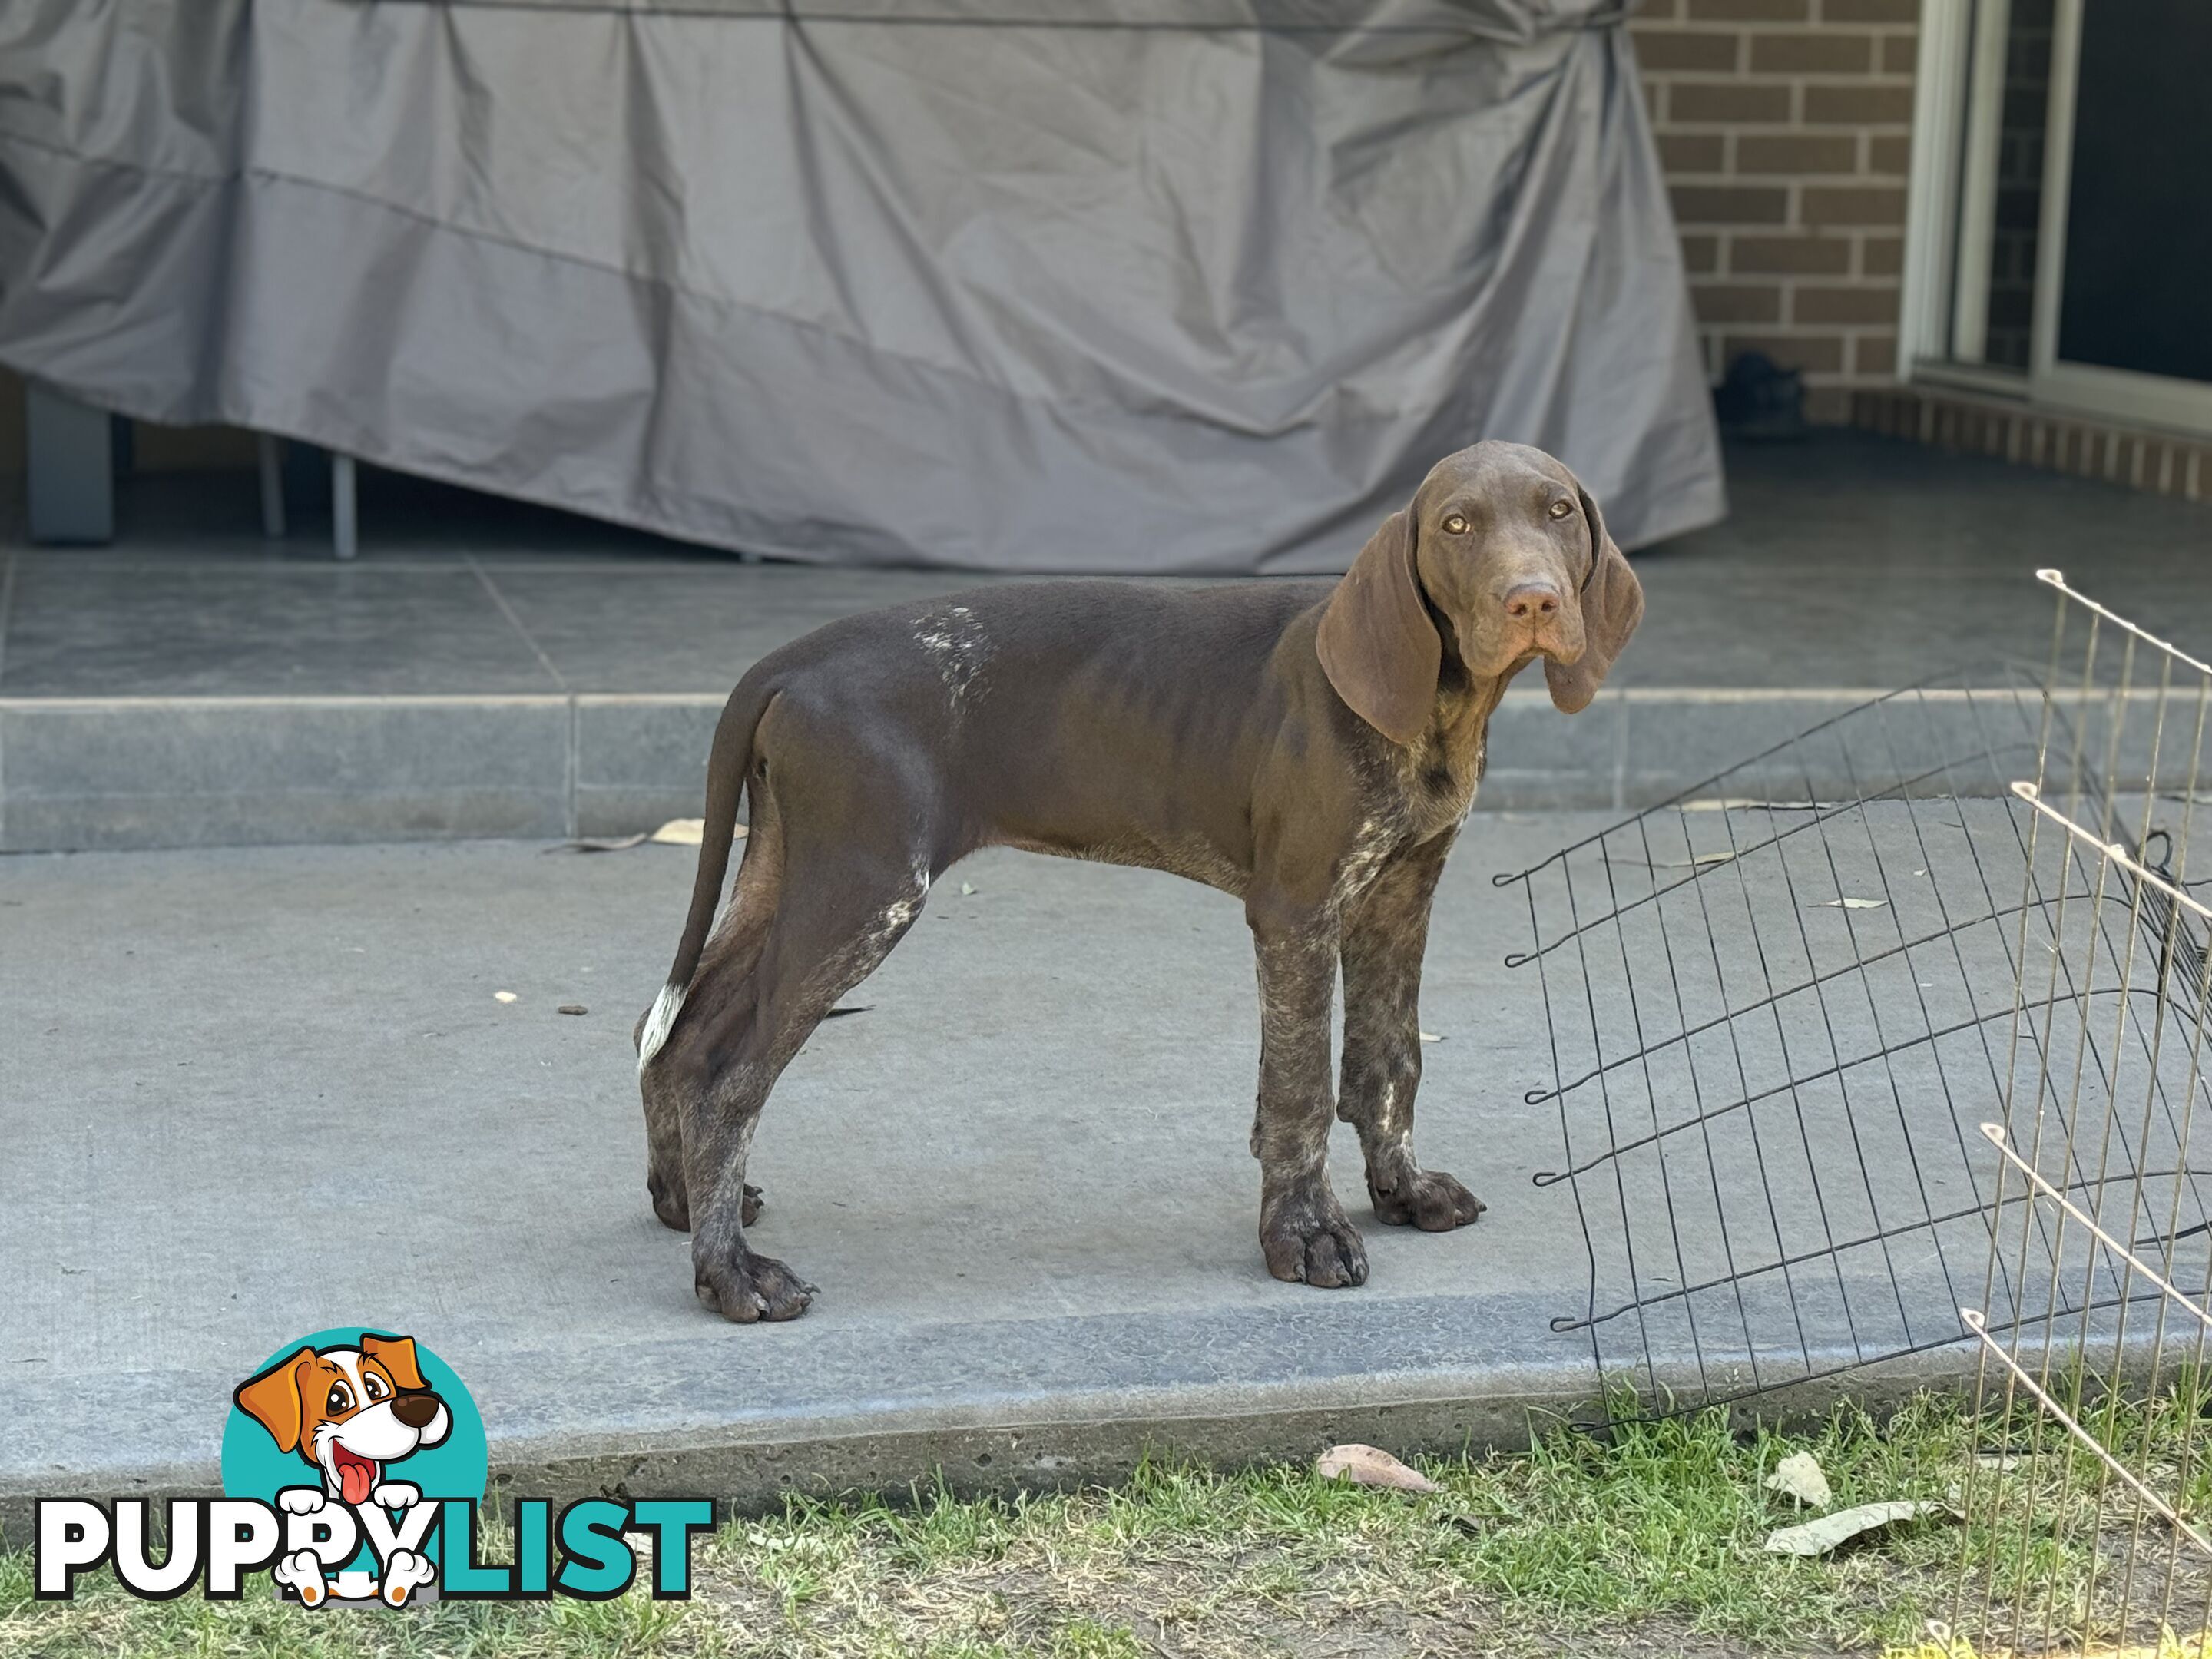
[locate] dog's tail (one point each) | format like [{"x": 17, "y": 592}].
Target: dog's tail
[{"x": 729, "y": 763}]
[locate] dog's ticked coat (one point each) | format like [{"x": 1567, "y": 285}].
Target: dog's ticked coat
[{"x": 1310, "y": 747}]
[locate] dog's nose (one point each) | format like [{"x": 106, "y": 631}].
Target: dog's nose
[
  {"x": 1532, "y": 602},
  {"x": 415, "y": 1408}
]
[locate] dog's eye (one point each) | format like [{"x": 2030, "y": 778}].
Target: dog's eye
[
  {"x": 341, "y": 1399},
  {"x": 1561, "y": 507},
  {"x": 372, "y": 1386},
  {"x": 1456, "y": 525}
]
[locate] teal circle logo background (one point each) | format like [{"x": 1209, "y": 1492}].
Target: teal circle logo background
[{"x": 455, "y": 1468}]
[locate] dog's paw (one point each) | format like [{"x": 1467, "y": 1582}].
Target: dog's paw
[
  {"x": 747, "y": 1288},
  {"x": 396, "y": 1495},
  {"x": 300, "y": 1500},
  {"x": 1309, "y": 1241},
  {"x": 1429, "y": 1200},
  {"x": 303, "y": 1572},
  {"x": 404, "y": 1572}
]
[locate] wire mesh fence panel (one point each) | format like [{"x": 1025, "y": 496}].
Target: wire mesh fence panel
[
  {"x": 2085, "y": 1506},
  {"x": 1782, "y": 1003}
]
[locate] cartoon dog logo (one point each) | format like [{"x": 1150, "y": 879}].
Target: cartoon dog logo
[{"x": 350, "y": 1414}]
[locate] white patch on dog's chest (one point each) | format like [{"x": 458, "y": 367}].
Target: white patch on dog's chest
[{"x": 1372, "y": 843}]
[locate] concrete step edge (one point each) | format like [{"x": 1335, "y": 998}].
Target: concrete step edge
[{"x": 129, "y": 773}]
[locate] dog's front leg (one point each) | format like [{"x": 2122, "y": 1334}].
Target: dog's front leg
[
  {"x": 1385, "y": 931},
  {"x": 1303, "y": 1229}
]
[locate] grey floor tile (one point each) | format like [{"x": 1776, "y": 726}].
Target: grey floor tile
[
  {"x": 1848, "y": 561},
  {"x": 103, "y": 627},
  {"x": 1861, "y": 562}
]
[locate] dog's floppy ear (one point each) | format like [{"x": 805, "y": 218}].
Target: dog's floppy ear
[
  {"x": 397, "y": 1355},
  {"x": 1377, "y": 644},
  {"x": 272, "y": 1399},
  {"x": 1612, "y": 604}
]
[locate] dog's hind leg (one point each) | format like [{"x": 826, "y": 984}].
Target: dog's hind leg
[
  {"x": 723, "y": 979},
  {"x": 846, "y": 897}
]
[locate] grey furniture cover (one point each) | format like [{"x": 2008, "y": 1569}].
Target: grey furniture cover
[{"x": 1144, "y": 285}]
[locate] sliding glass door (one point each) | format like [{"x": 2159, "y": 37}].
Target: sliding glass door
[{"x": 2062, "y": 204}]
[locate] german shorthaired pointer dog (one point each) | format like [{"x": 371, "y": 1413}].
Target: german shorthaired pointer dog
[{"x": 1310, "y": 747}]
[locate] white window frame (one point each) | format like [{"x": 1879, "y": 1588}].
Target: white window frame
[{"x": 1931, "y": 218}]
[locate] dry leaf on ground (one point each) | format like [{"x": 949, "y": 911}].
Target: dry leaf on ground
[
  {"x": 1369, "y": 1466},
  {"x": 1850, "y": 904},
  {"x": 687, "y": 832},
  {"x": 1820, "y": 1537},
  {"x": 1800, "y": 1475}
]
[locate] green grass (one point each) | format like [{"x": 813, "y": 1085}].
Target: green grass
[{"x": 1651, "y": 1544}]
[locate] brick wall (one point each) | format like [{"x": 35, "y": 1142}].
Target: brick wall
[{"x": 1785, "y": 128}]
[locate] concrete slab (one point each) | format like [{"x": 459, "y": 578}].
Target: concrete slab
[
  {"x": 112, "y": 626},
  {"x": 252, "y": 1093}
]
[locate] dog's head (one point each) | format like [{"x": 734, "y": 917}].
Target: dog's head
[
  {"x": 349, "y": 1411},
  {"x": 1502, "y": 557}
]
